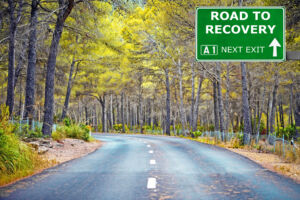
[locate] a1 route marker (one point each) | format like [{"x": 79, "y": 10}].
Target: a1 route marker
[{"x": 240, "y": 34}]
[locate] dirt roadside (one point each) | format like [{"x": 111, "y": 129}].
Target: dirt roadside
[
  {"x": 57, "y": 152},
  {"x": 272, "y": 162},
  {"x": 69, "y": 149}
]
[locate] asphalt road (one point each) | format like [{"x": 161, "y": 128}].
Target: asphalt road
[{"x": 154, "y": 167}]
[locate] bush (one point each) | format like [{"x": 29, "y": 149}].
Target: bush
[
  {"x": 197, "y": 134},
  {"x": 25, "y": 131},
  {"x": 58, "y": 135},
  {"x": 67, "y": 122},
  {"x": 237, "y": 141},
  {"x": 73, "y": 131},
  {"x": 117, "y": 127},
  {"x": 16, "y": 158},
  {"x": 211, "y": 127},
  {"x": 288, "y": 132}
]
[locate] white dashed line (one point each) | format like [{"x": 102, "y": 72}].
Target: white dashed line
[
  {"x": 152, "y": 162},
  {"x": 151, "y": 183},
  {"x": 151, "y": 151},
  {"x": 149, "y": 145}
]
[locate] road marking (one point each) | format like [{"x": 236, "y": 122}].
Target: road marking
[
  {"x": 152, "y": 162},
  {"x": 151, "y": 183},
  {"x": 149, "y": 145},
  {"x": 151, "y": 151}
]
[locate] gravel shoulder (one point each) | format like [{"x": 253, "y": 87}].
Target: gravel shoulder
[
  {"x": 272, "y": 162},
  {"x": 69, "y": 149}
]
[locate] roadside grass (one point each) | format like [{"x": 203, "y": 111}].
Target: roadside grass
[
  {"x": 17, "y": 159},
  {"x": 287, "y": 153},
  {"x": 76, "y": 131}
]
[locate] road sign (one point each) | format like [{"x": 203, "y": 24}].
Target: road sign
[{"x": 240, "y": 34}]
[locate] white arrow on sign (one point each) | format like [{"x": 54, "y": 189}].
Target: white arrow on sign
[{"x": 274, "y": 44}]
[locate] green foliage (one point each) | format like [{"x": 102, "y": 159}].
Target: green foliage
[
  {"x": 237, "y": 141},
  {"x": 211, "y": 127},
  {"x": 197, "y": 134},
  {"x": 24, "y": 130},
  {"x": 262, "y": 128},
  {"x": 201, "y": 128},
  {"x": 147, "y": 128},
  {"x": 16, "y": 158},
  {"x": 73, "y": 131},
  {"x": 67, "y": 121},
  {"x": 58, "y": 135},
  {"x": 288, "y": 132},
  {"x": 117, "y": 128}
]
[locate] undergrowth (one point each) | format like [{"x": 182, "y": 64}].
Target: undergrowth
[
  {"x": 17, "y": 159},
  {"x": 287, "y": 152},
  {"x": 72, "y": 131}
]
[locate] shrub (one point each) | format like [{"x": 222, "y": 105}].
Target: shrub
[
  {"x": 197, "y": 134},
  {"x": 58, "y": 135},
  {"x": 211, "y": 127},
  {"x": 288, "y": 132},
  {"x": 237, "y": 141},
  {"x": 74, "y": 131},
  {"x": 67, "y": 122},
  {"x": 117, "y": 127},
  {"x": 16, "y": 158}
]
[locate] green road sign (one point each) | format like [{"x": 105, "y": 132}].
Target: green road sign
[{"x": 240, "y": 34}]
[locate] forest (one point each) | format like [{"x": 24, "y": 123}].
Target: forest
[{"x": 129, "y": 66}]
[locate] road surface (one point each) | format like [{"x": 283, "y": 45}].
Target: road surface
[{"x": 154, "y": 167}]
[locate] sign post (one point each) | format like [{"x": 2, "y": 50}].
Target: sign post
[{"x": 240, "y": 34}]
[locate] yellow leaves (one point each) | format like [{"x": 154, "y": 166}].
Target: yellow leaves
[
  {"x": 234, "y": 95},
  {"x": 297, "y": 39}
]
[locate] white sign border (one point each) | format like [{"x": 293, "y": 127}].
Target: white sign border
[{"x": 242, "y": 60}]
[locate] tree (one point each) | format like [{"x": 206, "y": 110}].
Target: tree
[
  {"x": 11, "y": 53},
  {"x": 30, "y": 80},
  {"x": 65, "y": 8}
]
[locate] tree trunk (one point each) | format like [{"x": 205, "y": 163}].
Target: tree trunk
[
  {"x": 249, "y": 99},
  {"x": 30, "y": 80},
  {"x": 20, "y": 64},
  {"x": 20, "y": 99},
  {"x": 167, "y": 102},
  {"x": 281, "y": 112},
  {"x": 102, "y": 102},
  {"x": 220, "y": 99},
  {"x": 197, "y": 103},
  {"x": 262, "y": 109},
  {"x": 273, "y": 104},
  {"x": 149, "y": 112},
  {"x": 65, "y": 8},
  {"x": 86, "y": 115},
  {"x": 227, "y": 99},
  {"x": 122, "y": 112},
  {"x": 181, "y": 106},
  {"x": 127, "y": 110},
  {"x": 192, "y": 97},
  {"x": 129, "y": 113},
  {"x": 69, "y": 87},
  {"x": 268, "y": 110},
  {"x": 140, "y": 105},
  {"x": 111, "y": 111},
  {"x": 297, "y": 114},
  {"x": 216, "y": 107},
  {"x": 245, "y": 102},
  {"x": 291, "y": 121},
  {"x": 11, "y": 57},
  {"x": 141, "y": 118}
]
